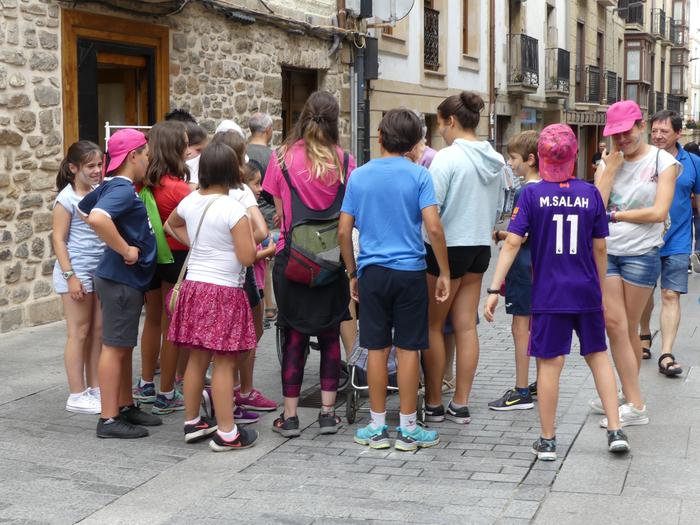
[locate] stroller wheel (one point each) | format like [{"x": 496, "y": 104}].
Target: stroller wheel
[{"x": 351, "y": 404}]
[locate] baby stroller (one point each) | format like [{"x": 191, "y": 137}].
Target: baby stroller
[{"x": 357, "y": 383}]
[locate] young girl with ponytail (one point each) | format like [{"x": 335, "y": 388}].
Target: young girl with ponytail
[{"x": 78, "y": 250}]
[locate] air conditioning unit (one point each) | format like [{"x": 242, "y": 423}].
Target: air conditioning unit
[{"x": 359, "y": 8}]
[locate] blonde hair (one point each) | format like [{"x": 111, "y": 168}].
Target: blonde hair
[{"x": 524, "y": 144}]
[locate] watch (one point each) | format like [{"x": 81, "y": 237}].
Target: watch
[
  {"x": 68, "y": 274},
  {"x": 492, "y": 291}
]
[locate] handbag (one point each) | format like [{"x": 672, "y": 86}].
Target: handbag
[{"x": 176, "y": 289}]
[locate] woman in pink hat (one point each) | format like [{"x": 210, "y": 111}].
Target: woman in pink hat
[{"x": 637, "y": 182}]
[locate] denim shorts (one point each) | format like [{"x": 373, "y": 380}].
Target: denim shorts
[
  {"x": 639, "y": 270},
  {"x": 674, "y": 272}
]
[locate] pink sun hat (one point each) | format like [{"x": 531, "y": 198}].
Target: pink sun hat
[
  {"x": 621, "y": 116},
  {"x": 121, "y": 144},
  {"x": 557, "y": 148}
]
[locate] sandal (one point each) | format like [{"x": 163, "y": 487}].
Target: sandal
[
  {"x": 270, "y": 314},
  {"x": 666, "y": 369},
  {"x": 287, "y": 427},
  {"x": 646, "y": 350}
]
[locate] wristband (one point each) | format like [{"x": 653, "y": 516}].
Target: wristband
[
  {"x": 613, "y": 217},
  {"x": 491, "y": 291}
]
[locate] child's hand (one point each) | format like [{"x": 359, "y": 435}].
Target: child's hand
[
  {"x": 354, "y": 289},
  {"x": 490, "y": 307},
  {"x": 132, "y": 255},
  {"x": 614, "y": 159},
  {"x": 76, "y": 288},
  {"x": 442, "y": 289}
]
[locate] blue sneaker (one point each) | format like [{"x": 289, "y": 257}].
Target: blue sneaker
[
  {"x": 373, "y": 437},
  {"x": 163, "y": 405},
  {"x": 145, "y": 394},
  {"x": 419, "y": 438}
]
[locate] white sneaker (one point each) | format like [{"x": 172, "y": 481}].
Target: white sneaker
[
  {"x": 695, "y": 262},
  {"x": 83, "y": 404},
  {"x": 95, "y": 392},
  {"x": 597, "y": 405},
  {"x": 629, "y": 416}
]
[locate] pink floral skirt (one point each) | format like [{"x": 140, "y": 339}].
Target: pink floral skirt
[{"x": 212, "y": 317}]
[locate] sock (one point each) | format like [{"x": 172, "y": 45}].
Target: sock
[
  {"x": 236, "y": 388},
  {"x": 229, "y": 436},
  {"x": 408, "y": 422},
  {"x": 456, "y": 405},
  {"x": 94, "y": 391},
  {"x": 523, "y": 391},
  {"x": 107, "y": 421},
  {"x": 143, "y": 383},
  {"x": 193, "y": 421},
  {"x": 168, "y": 395},
  {"x": 378, "y": 419}
]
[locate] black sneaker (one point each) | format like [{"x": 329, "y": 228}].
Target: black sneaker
[
  {"x": 198, "y": 431},
  {"x": 545, "y": 449},
  {"x": 246, "y": 438},
  {"x": 533, "y": 389},
  {"x": 328, "y": 423},
  {"x": 512, "y": 400},
  {"x": 434, "y": 414},
  {"x": 287, "y": 427},
  {"x": 617, "y": 442},
  {"x": 458, "y": 415},
  {"x": 134, "y": 415},
  {"x": 119, "y": 429}
]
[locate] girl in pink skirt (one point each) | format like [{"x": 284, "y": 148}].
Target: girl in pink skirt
[{"x": 212, "y": 314}]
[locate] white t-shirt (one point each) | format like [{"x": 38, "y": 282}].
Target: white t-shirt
[
  {"x": 634, "y": 187},
  {"x": 193, "y": 165},
  {"x": 244, "y": 195},
  {"x": 212, "y": 256}
]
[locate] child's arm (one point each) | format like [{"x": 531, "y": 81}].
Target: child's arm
[
  {"x": 662, "y": 203},
  {"x": 258, "y": 223},
  {"x": 600, "y": 254},
  {"x": 59, "y": 239},
  {"x": 433, "y": 226},
  {"x": 176, "y": 227},
  {"x": 510, "y": 250},
  {"x": 107, "y": 231},
  {"x": 266, "y": 252},
  {"x": 345, "y": 226}
]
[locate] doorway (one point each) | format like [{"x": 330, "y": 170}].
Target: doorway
[{"x": 297, "y": 85}]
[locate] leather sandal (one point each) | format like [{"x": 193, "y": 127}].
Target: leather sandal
[
  {"x": 646, "y": 350},
  {"x": 666, "y": 369}
]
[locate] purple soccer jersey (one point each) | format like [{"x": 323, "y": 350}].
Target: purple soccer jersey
[{"x": 561, "y": 220}]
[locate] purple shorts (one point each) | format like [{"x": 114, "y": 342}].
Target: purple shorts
[{"x": 550, "y": 334}]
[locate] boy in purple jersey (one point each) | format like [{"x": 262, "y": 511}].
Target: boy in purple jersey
[{"x": 566, "y": 224}]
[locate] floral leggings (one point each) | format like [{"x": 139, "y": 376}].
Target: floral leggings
[{"x": 293, "y": 360}]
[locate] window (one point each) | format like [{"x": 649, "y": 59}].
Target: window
[
  {"x": 431, "y": 37},
  {"x": 465, "y": 27},
  {"x": 631, "y": 91},
  {"x": 634, "y": 57}
]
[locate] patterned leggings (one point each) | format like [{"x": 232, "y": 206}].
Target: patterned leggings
[{"x": 295, "y": 344}]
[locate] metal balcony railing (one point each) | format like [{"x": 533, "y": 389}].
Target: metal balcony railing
[
  {"x": 678, "y": 33},
  {"x": 660, "y": 97},
  {"x": 632, "y": 11},
  {"x": 523, "y": 61},
  {"x": 611, "y": 80},
  {"x": 658, "y": 23},
  {"x": 673, "y": 103},
  {"x": 592, "y": 92},
  {"x": 557, "y": 70},
  {"x": 431, "y": 38}
]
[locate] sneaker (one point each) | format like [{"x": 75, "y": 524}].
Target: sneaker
[
  {"x": 545, "y": 449},
  {"x": 163, "y": 405},
  {"x": 597, "y": 405},
  {"x": 95, "y": 392},
  {"x": 198, "y": 431},
  {"x": 118, "y": 428},
  {"x": 244, "y": 417},
  {"x": 328, "y": 422},
  {"x": 145, "y": 394},
  {"x": 246, "y": 438},
  {"x": 629, "y": 416},
  {"x": 512, "y": 400},
  {"x": 256, "y": 401},
  {"x": 434, "y": 414},
  {"x": 695, "y": 262},
  {"x": 420, "y": 438},
  {"x": 373, "y": 437},
  {"x": 448, "y": 386},
  {"x": 533, "y": 389},
  {"x": 134, "y": 415},
  {"x": 179, "y": 384},
  {"x": 287, "y": 427},
  {"x": 83, "y": 404},
  {"x": 458, "y": 415},
  {"x": 208, "y": 374},
  {"x": 617, "y": 441}
]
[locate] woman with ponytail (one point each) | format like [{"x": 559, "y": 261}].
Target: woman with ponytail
[
  {"x": 467, "y": 180},
  {"x": 316, "y": 169},
  {"x": 78, "y": 250}
]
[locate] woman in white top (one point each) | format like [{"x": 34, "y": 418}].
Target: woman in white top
[{"x": 637, "y": 182}]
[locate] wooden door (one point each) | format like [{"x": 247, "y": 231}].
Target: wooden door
[{"x": 297, "y": 85}]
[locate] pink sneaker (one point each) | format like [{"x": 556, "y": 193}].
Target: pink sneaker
[{"x": 255, "y": 401}]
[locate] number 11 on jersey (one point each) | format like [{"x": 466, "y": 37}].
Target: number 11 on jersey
[{"x": 573, "y": 233}]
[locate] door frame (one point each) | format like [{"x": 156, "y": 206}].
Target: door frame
[{"x": 109, "y": 29}]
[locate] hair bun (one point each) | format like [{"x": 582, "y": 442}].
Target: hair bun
[{"x": 471, "y": 101}]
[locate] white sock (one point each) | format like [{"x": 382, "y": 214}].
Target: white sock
[
  {"x": 143, "y": 383},
  {"x": 236, "y": 388},
  {"x": 456, "y": 405},
  {"x": 378, "y": 419},
  {"x": 229, "y": 436},
  {"x": 168, "y": 395},
  {"x": 193, "y": 421},
  {"x": 408, "y": 422}
]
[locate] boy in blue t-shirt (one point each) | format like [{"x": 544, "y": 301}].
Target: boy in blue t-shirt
[
  {"x": 388, "y": 200},
  {"x": 119, "y": 217}
]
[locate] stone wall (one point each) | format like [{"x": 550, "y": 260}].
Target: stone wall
[{"x": 218, "y": 69}]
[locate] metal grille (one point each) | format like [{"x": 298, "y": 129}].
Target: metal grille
[
  {"x": 673, "y": 103},
  {"x": 611, "y": 87},
  {"x": 593, "y": 90},
  {"x": 658, "y": 23},
  {"x": 524, "y": 61},
  {"x": 632, "y": 11},
  {"x": 431, "y": 37},
  {"x": 679, "y": 33},
  {"x": 557, "y": 70}
]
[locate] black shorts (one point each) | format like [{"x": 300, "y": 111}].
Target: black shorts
[
  {"x": 251, "y": 287},
  {"x": 462, "y": 260},
  {"x": 393, "y": 301},
  {"x": 121, "y": 310},
  {"x": 168, "y": 273}
]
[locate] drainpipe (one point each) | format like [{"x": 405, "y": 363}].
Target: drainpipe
[{"x": 492, "y": 65}]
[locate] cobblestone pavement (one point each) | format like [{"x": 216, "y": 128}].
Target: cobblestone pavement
[{"x": 54, "y": 470}]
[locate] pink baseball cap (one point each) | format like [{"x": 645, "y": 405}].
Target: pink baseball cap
[
  {"x": 621, "y": 116},
  {"x": 121, "y": 144},
  {"x": 557, "y": 148}
]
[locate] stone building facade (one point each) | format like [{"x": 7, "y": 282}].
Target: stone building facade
[{"x": 218, "y": 67}]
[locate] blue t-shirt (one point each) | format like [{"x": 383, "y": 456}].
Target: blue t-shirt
[
  {"x": 386, "y": 197},
  {"x": 678, "y": 238},
  {"x": 521, "y": 270},
  {"x": 117, "y": 198}
]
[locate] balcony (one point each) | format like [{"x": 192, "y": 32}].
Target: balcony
[
  {"x": 659, "y": 104},
  {"x": 611, "y": 81},
  {"x": 632, "y": 12},
  {"x": 557, "y": 73},
  {"x": 589, "y": 88},
  {"x": 679, "y": 81},
  {"x": 523, "y": 64},
  {"x": 678, "y": 33},
  {"x": 658, "y": 23},
  {"x": 673, "y": 103},
  {"x": 431, "y": 39}
]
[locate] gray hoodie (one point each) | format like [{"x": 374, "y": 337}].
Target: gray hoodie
[{"x": 468, "y": 182}]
